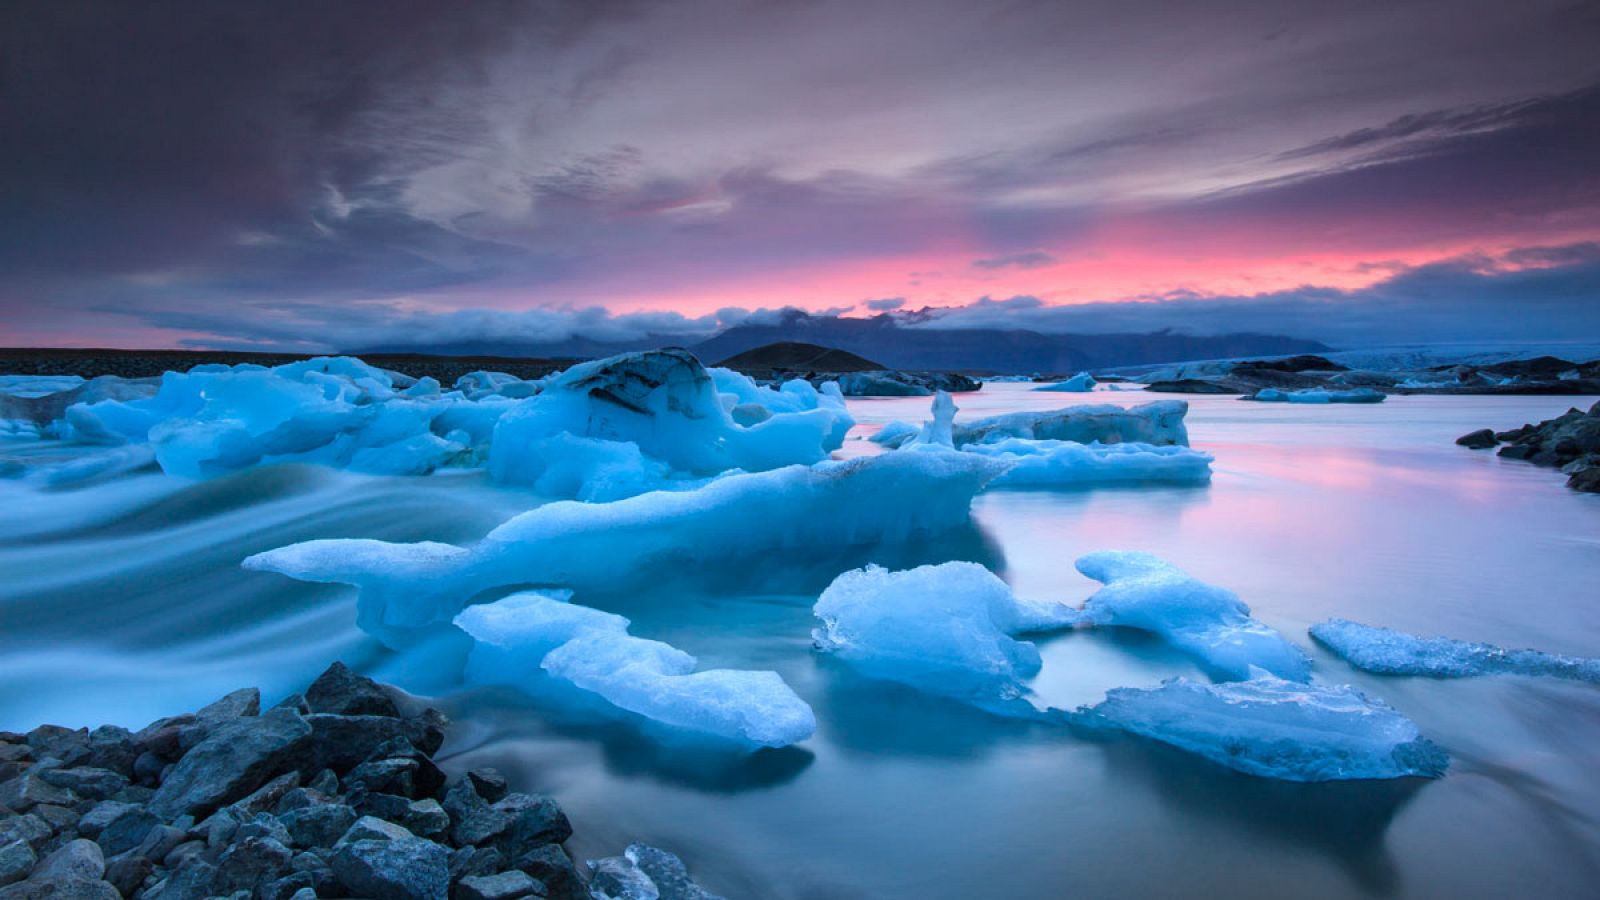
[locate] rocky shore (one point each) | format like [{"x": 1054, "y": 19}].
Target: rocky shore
[
  {"x": 1569, "y": 442},
  {"x": 333, "y": 793},
  {"x": 1541, "y": 375}
]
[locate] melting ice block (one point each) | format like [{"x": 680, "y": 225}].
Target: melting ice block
[
  {"x": 946, "y": 629},
  {"x": 1388, "y": 652},
  {"x": 1276, "y": 729},
  {"x": 1207, "y": 622},
  {"x": 1067, "y": 464},
  {"x": 1317, "y": 395},
  {"x": 592, "y": 650},
  {"x": 586, "y": 546},
  {"x": 1081, "y": 383},
  {"x": 1159, "y": 422}
]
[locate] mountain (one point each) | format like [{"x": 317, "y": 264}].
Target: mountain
[
  {"x": 795, "y": 357},
  {"x": 915, "y": 348}
]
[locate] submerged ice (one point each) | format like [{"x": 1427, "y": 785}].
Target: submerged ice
[
  {"x": 1318, "y": 395},
  {"x": 1388, "y": 652},
  {"x": 1276, "y": 729},
  {"x": 1207, "y": 622},
  {"x": 591, "y": 546},
  {"x": 947, "y": 629},
  {"x": 1067, "y": 464},
  {"x": 517, "y": 636}
]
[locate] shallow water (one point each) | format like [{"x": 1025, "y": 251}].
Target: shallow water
[{"x": 124, "y": 601}]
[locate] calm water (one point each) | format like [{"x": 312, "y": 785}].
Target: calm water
[{"x": 125, "y": 601}]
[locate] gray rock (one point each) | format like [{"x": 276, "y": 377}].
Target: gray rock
[
  {"x": 263, "y": 825},
  {"x": 30, "y": 789},
  {"x": 551, "y": 865},
  {"x": 79, "y": 858},
  {"x": 147, "y": 768},
  {"x": 426, "y": 818},
  {"x": 60, "y": 889},
  {"x": 405, "y": 867},
  {"x": 29, "y": 828},
  {"x": 159, "y": 842},
  {"x": 340, "y": 690},
  {"x": 16, "y": 861},
  {"x": 59, "y": 818},
  {"x": 103, "y": 814},
  {"x": 112, "y": 747},
  {"x": 183, "y": 853},
  {"x": 237, "y": 758},
  {"x": 475, "y": 861},
  {"x": 504, "y": 886},
  {"x": 127, "y": 831},
  {"x": 368, "y": 828},
  {"x": 472, "y": 819},
  {"x": 343, "y": 742},
  {"x": 243, "y": 702},
  {"x": 489, "y": 783},
  {"x": 70, "y": 745},
  {"x": 536, "y": 820},
  {"x": 318, "y": 826},
  {"x": 326, "y": 782},
  {"x": 127, "y": 873},
  {"x": 268, "y": 796},
  {"x": 250, "y": 862}
]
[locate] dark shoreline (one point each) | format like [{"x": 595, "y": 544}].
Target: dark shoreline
[{"x": 95, "y": 362}]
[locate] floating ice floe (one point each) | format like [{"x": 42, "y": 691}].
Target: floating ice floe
[
  {"x": 1318, "y": 395},
  {"x": 32, "y": 386},
  {"x": 1066, "y": 464},
  {"x": 1389, "y": 652},
  {"x": 588, "y": 546},
  {"x": 643, "y": 872},
  {"x": 516, "y": 636},
  {"x": 599, "y": 431},
  {"x": 1207, "y": 622},
  {"x": 1081, "y": 383},
  {"x": 895, "y": 433},
  {"x": 1276, "y": 729},
  {"x": 946, "y": 629},
  {"x": 1159, "y": 422}
]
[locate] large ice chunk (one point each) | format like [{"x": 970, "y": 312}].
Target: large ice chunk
[
  {"x": 1159, "y": 422},
  {"x": 1317, "y": 395},
  {"x": 1081, "y": 383},
  {"x": 1206, "y": 622},
  {"x": 584, "y": 546},
  {"x": 1276, "y": 729},
  {"x": 517, "y": 635},
  {"x": 946, "y": 629},
  {"x": 1067, "y": 464},
  {"x": 663, "y": 405},
  {"x": 1389, "y": 652}
]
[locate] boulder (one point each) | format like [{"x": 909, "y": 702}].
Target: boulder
[
  {"x": 535, "y": 820},
  {"x": 341, "y": 691},
  {"x": 1482, "y": 439},
  {"x": 238, "y": 757},
  {"x": 16, "y": 861},
  {"x": 405, "y": 867},
  {"x": 552, "y": 866},
  {"x": 503, "y": 886}
]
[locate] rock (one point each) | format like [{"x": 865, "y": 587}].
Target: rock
[
  {"x": 243, "y": 702},
  {"x": 475, "y": 861},
  {"x": 552, "y": 866},
  {"x": 1482, "y": 439},
  {"x": 1518, "y": 451},
  {"x": 318, "y": 826},
  {"x": 28, "y": 828},
  {"x": 103, "y": 814},
  {"x": 369, "y": 828},
  {"x": 644, "y": 871},
  {"x": 182, "y": 853},
  {"x": 59, "y": 818},
  {"x": 70, "y": 745},
  {"x": 340, "y": 690},
  {"x": 472, "y": 819},
  {"x": 60, "y": 889},
  {"x": 127, "y": 873},
  {"x": 343, "y": 742},
  {"x": 87, "y": 781},
  {"x": 127, "y": 831},
  {"x": 30, "y": 789},
  {"x": 112, "y": 747},
  {"x": 263, "y": 825},
  {"x": 405, "y": 867},
  {"x": 535, "y": 821},
  {"x": 147, "y": 768},
  {"x": 159, "y": 842},
  {"x": 16, "y": 861},
  {"x": 489, "y": 783},
  {"x": 269, "y": 795},
  {"x": 326, "y": 782},
  {"x": 504, "y": 886},
  {"x": 250, "y": 862},
  {"x": 1586, "y": 480},
  {"x": 80, "y": 858},
  {"x": 238, "y": 757}
]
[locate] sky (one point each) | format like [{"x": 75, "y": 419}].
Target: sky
[{"x": 316, "y": 176}]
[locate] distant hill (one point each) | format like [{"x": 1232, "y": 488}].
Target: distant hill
[
  {"x": 913, "y": 348},
  {"x": 796, "y": 356}
]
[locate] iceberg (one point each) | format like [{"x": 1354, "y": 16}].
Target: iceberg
[
  {"x": 516, "y": 636},
  {"x": 1068, "y": 464},
  {"x": 1275, "y": 728},
  {"x": 1159, "y": 422},
  {"x": 894, "y": 433},
  {"x": 1206, "y": 622},
  {"x": 590, "y": 546},
  {"x": 1081, "y": 383},
  {"x": 644, "y": 873},
  {"x": 1317, "y": 395},
  {"x": 946, "y": 629},
  {"x": 1387, "y": 652}
]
